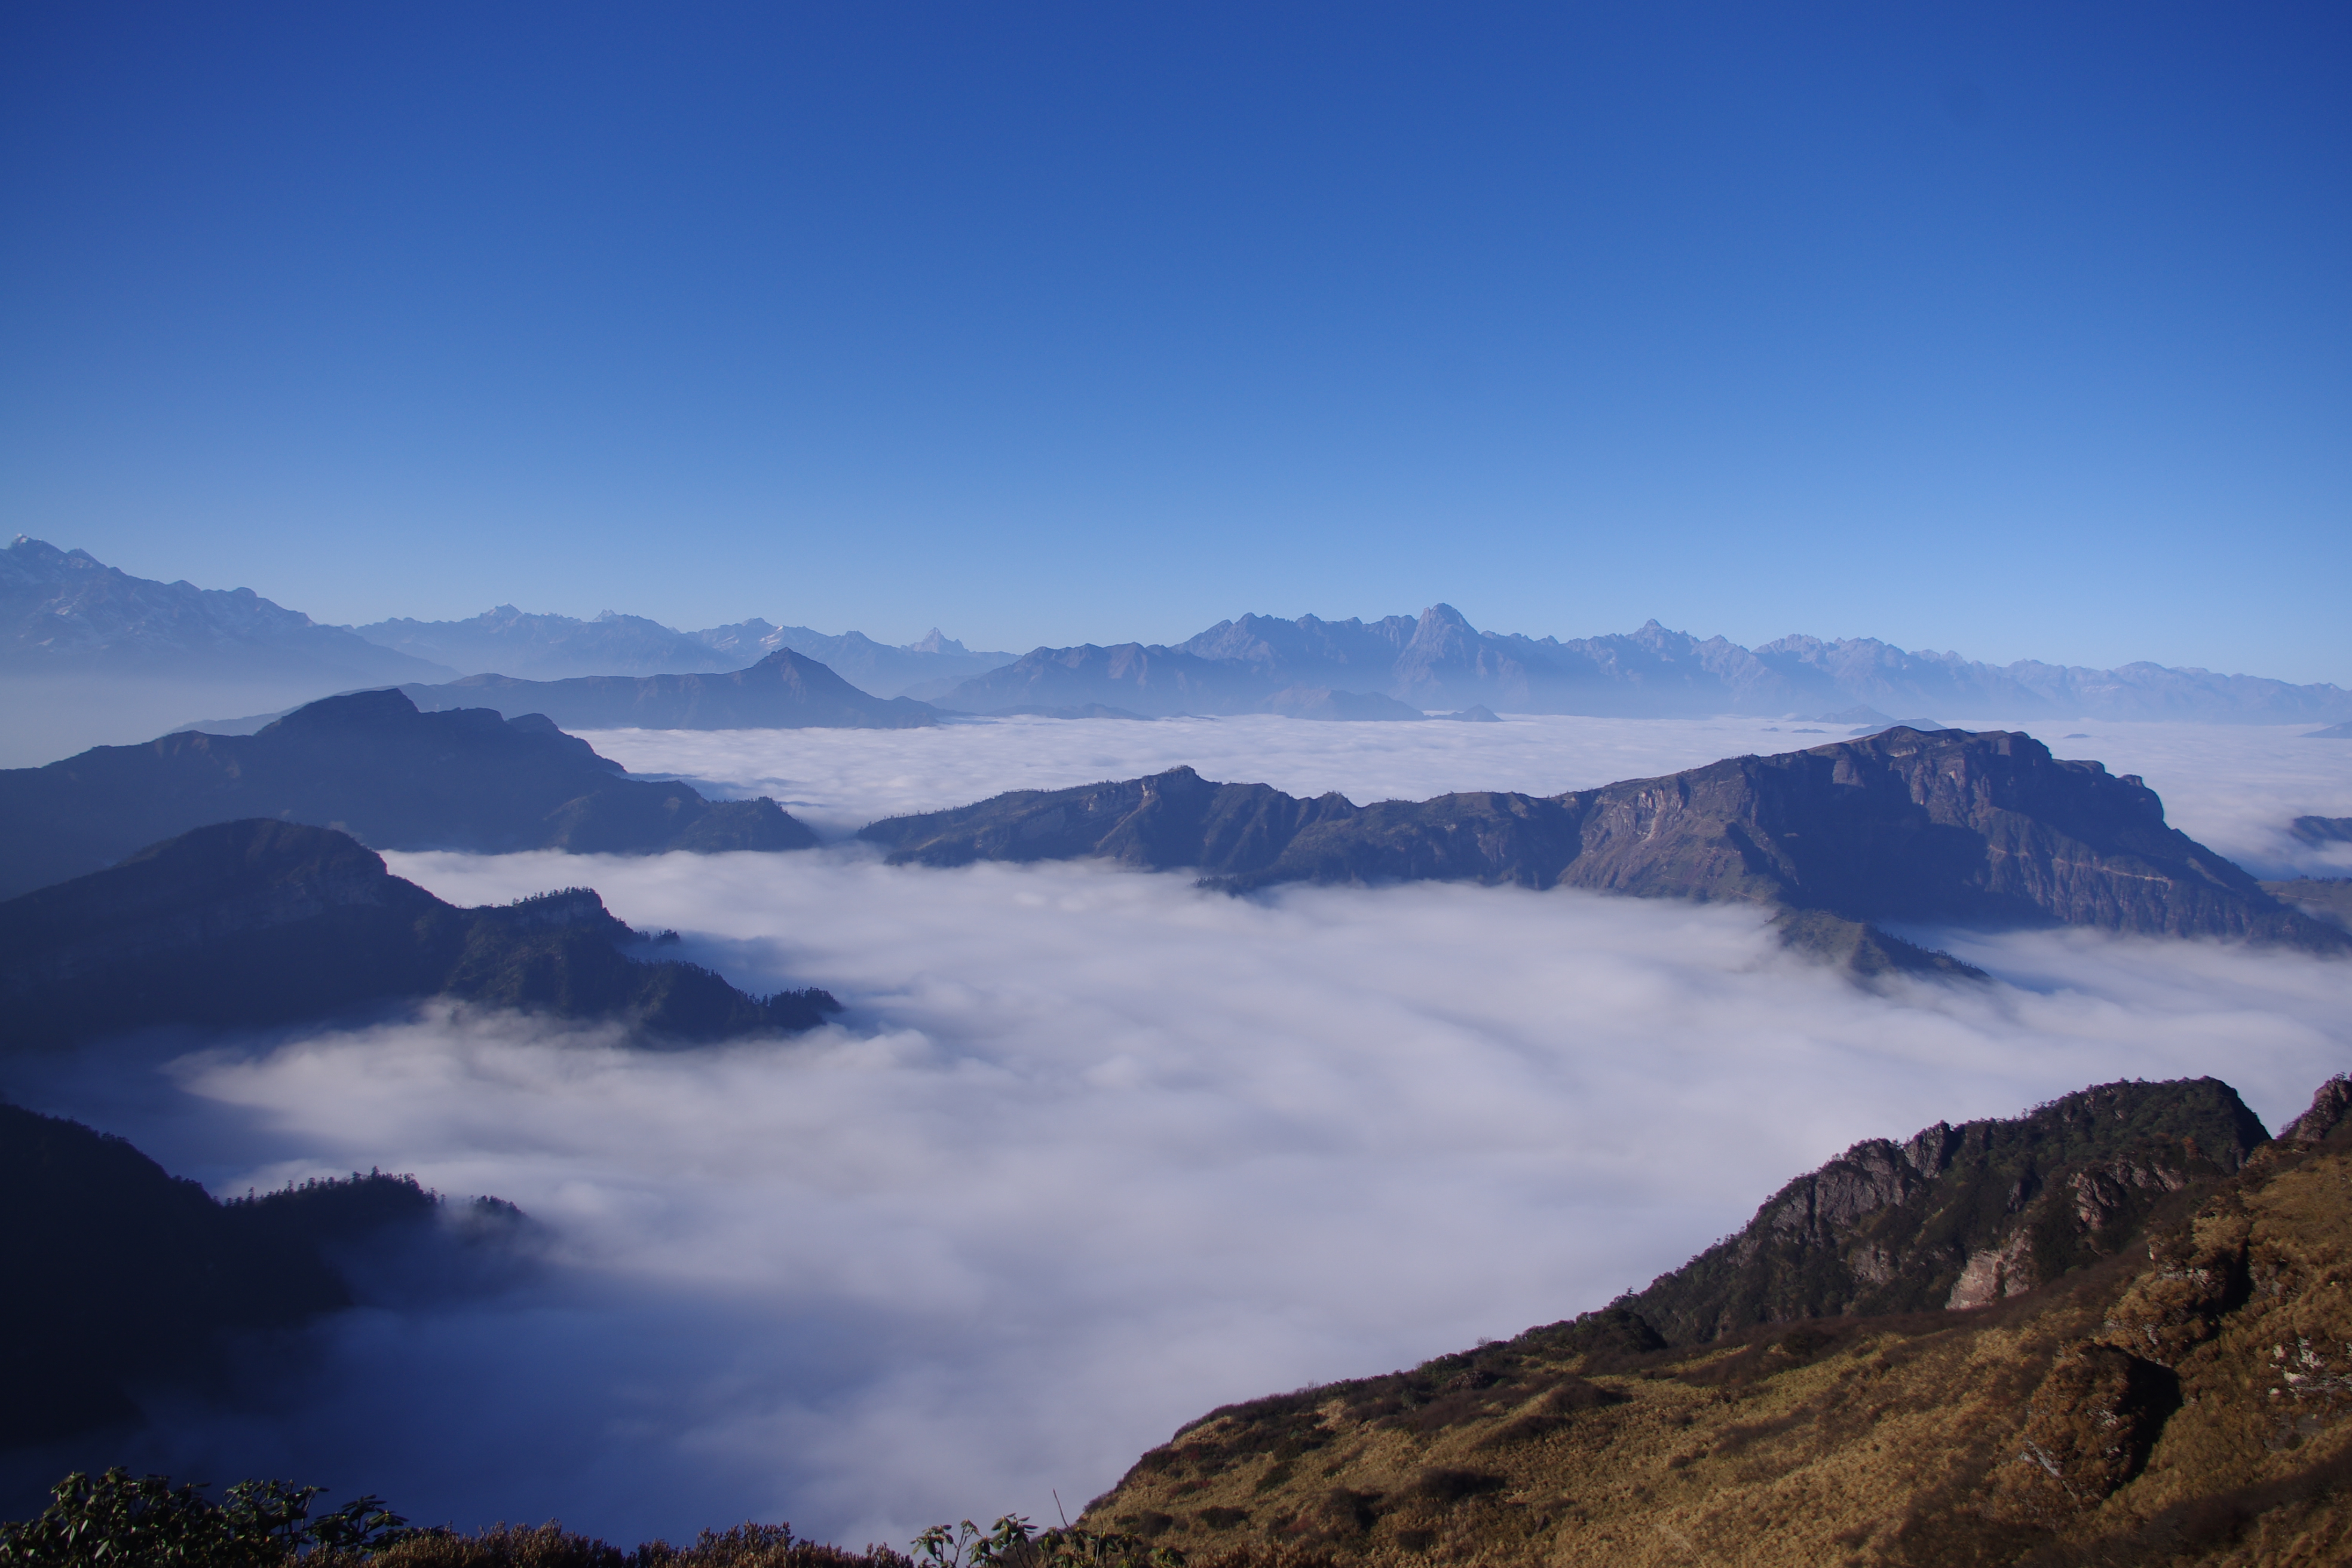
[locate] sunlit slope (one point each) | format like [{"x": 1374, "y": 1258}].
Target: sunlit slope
[{"x": 2182, "y": 1400}]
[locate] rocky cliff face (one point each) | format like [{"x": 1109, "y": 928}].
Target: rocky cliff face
[
  {"x": 260, "y": 922},
  {"x": 1958, "y": 1217},
  {"x": 2185, "y": 1398},
  {"x": 1984, "y": 828},
  {"x": 373, "y": 765}
]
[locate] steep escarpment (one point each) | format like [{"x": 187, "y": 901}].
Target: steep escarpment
[
  {"x": 259, "y": 922},
  {"x": 374, "y": 766},
  {"x": 2184, "y": 1397},
  {"x": 1977, "y": 828}
]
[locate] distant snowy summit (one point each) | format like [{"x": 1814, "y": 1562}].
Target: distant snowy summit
[
  {"x": 63, "y": 612},
  {"x": 1440, "y": 660},
  {"x": 507, "y": 641}
]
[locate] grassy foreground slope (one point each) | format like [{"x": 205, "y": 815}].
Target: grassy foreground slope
[{"x": 2182, "y": 1400}]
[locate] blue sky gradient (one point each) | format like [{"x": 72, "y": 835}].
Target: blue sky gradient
[{"x": 2020, "y": 331}]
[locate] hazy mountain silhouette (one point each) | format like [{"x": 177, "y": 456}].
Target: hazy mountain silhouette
[
  {"x": 372, "y": 765},
  {"x": 785, "y": 691},
  {"x": 549, "y": 647},
  {"x": 64, "y": 613},
  {"x": 258, "y": 922},
  {"x": 1440, "y": 660},
  {"x": 919, "y": 669}
]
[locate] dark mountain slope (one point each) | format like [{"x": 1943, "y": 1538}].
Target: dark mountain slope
[
  {"x": 258, "y": 922},
  {"x": 2181, "y": 1395},
  {"x": 120, "y": 1275},
  {"x": 370, "y": 764},
  {"x": 1947, "y": 826},
  {"x": 785, "y": 691}
]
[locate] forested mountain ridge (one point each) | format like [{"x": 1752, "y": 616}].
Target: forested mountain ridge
[
  {"x": 1946, "y": 826},
  {"x": 373, "y": 765},
  {"x": 259, "y": 922},
  {"x": 120, "y": 1274}
]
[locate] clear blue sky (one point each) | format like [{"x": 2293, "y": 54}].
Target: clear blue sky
[{"x": 2025, "y": 331}]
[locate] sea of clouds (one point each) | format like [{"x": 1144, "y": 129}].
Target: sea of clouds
[{"x": 1091, "y": 1152}]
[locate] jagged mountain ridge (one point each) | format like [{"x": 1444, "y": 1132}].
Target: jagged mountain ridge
[
  {"x": 68, "y": 612},
  {"x": 1440, "y": 661},
  {"x": 785, "y": 691},
  {"x": 1950, "y": 826},
  {"x": 258, "y": 922},
  {"x": 64, "y": 612},
  {"x": 2182, "y": 1395},
  {"x": 373, "y": 765}
]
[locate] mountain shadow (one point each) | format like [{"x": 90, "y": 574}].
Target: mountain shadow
[
  {"x": 1985, "y": 829},
  {"x": 785, "y": 691},
  {"x": 261, "y": 922},
  {"x": 121, "y": 1277},
  {"x": 371, "y": 766},
  {"x": 2165, "y": 1377}
]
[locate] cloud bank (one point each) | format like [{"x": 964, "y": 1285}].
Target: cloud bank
[{"x": 1091, "y": 1152}]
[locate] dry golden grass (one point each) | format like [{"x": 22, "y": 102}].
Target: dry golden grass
[{"x": 1892, "y": 1440}]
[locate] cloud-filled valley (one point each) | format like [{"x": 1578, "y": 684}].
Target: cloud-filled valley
[{"x": 1093, "y": 1150}]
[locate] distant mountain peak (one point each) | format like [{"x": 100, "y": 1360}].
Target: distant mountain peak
[
  {"x": 66, "y": 611},
  {"x": 1439, "y": 660}
]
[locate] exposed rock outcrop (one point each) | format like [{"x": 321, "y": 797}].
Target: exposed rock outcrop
[{"x": 1958, "y": 1217}]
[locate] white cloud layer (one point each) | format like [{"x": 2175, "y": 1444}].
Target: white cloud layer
[
  {"x": 2234, "y": 787},
  {"x": 1091, "y": 1152}
]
